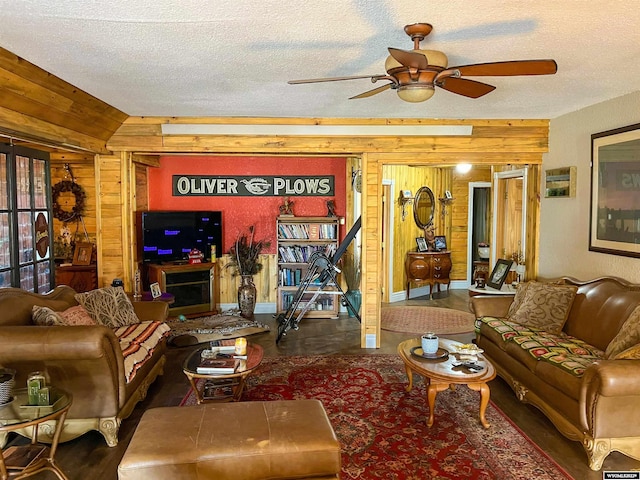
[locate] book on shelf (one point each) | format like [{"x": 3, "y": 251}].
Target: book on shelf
[{"x": 218, "y": 365}]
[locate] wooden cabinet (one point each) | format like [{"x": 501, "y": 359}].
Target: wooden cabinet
[
  {"x": 298, "y": 238},
  {"x": 430, "y": 268},
  {"x": 193, "y": 286},
  {"x": 81, "y": 278}
]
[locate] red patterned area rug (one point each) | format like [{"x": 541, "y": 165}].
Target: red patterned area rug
[
  {"x": 382, "y": 428},
  {"x": 426, "y": 319}
]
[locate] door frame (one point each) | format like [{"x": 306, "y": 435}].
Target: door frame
[{"x": 388, "y": 189}]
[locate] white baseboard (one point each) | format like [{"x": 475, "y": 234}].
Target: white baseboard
[{"x": 264, "y": 307}]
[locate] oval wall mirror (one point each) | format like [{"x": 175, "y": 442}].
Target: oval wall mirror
[{"x": 424, "y": 206}]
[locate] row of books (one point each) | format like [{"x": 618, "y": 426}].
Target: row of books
[
  {"x": 302, "y": 253},
  {"x": 218, "y": 365},
  {"x": 311, "y": 231},
  {"x": 290, "y": 277},
  {"x": 321, "y": 303}
]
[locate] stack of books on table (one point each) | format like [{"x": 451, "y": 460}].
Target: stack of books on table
[{"x": 218, "y": 365}]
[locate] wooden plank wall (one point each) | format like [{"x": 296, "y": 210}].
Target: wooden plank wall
[
  {"x": 81, "y": 166},
  {"x": 36, "y": 105},
  {"x": 112, "y": 250}
]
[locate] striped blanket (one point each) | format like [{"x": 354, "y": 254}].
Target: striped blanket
[{"x": 138, "y": 342}]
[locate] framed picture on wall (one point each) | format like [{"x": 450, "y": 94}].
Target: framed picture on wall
[
  {"x": 422, "y": 244},
  {"x": 441, "y": 242},
  {"x": 499, "y": 273},
  {"x": 615, "y": 192}
]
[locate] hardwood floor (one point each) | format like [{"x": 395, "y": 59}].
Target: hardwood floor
[{"x": 88, "y": 457}]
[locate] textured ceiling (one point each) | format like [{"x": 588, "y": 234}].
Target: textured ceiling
[{"x": 233, "y": 58}]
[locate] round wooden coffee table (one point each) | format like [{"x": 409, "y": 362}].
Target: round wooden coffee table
[
  {"x": 221, "y": 387},
  {"x": 440, "y": 374}
]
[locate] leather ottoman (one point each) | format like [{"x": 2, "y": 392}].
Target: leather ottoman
[{"x": 289, "y": 439}]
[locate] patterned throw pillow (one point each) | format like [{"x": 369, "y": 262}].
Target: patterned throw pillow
[
  {"x": 72, "y": 316},
  {"x": 108, "y": 306},
  {"x": 626, "y": 339},
  {"x": 77, "y": 315},
  {"x": 543, "y": 305},
  {"x": 45, "y": 317},
  {"x": 521, "y": 291}
]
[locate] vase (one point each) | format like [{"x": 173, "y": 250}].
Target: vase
[
  {"x": 484, "y": 252},
  {"x": 247, "y": 296},
  {"x": 355, "y": 298}
]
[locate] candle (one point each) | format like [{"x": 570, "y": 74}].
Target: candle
[
  {"x": 241, "y": 346},
  {"x": 35, "y": 381}
]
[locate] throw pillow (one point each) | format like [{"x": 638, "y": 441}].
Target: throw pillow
[
  {"x": 627, "y": 337},
  {"x": 77, "y": 315},
  {"x": 631, "y": 353},
  {"x": 108, "y": 306},
  {"x": 45, "y": 317},
  {"x": 543, "y": 305},
  {"x": 521, "y": 290}
]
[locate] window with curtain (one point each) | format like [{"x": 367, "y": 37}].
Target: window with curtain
[{"x": 25, "y": 219}]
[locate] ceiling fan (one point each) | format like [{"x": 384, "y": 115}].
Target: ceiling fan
[{"x": 414, "y": 74}]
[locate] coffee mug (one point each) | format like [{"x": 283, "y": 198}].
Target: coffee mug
[{"x": 429, "y": 343}]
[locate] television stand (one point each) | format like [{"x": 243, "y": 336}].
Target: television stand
[{"x": 194, "y": 286}]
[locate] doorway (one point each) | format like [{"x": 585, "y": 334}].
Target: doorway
[{"x": 479, "y": 222}]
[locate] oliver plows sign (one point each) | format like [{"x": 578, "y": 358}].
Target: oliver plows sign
[{"x": 250, "y": 186}]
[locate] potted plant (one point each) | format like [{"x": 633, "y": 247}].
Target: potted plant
[{"x": 245, "y": 258}]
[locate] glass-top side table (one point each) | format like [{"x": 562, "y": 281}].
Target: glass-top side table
[
  {"x": 25, "y": 460},
  {"x": 221, "y": 387}
]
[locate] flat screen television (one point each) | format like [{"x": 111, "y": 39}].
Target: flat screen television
[{"x": 168, "y": 237}]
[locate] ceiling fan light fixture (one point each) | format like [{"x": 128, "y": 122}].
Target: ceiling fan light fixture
[{"x": 415, "y": 93}]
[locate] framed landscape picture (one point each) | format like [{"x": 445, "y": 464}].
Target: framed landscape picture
[
  {"x": 615, "y": 192},
  {"x": 499, "y": 273},
  {"x": 441, "y": 242}
]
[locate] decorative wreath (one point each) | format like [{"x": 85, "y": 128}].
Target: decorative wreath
[{"x": 78, "y": 192}]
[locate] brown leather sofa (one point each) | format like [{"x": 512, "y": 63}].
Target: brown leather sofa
[
  {"x": 601, "y": 407},
  {"x": 86, "y": 361}
]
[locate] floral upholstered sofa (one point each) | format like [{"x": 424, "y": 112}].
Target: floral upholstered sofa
[
  {"x": 99, "y": 346},
  {"x": 572, "y": 349}
]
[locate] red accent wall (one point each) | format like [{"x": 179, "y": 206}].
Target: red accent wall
[{"x": 238, "y": 213}]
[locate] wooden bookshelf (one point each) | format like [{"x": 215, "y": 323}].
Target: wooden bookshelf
[{"x": 297, "y": 239}]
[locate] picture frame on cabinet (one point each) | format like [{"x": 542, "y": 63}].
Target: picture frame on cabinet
[
  {"x": 155, "y": 290},
  {"x": 440, "y": 243},
  {"x": 499, "y": 273},
  {"x": 422, "y": 244},
  {"x": 83, "y": 253},
  {"x": 615, "y": 196}
]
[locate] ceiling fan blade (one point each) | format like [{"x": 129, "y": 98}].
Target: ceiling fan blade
[
  {"x": 330, "y": 79},
  {"x": 409, "y": 59},
  {"x": 511, "y": 68},
  {"x": 468, "y": 88},
  {"x": 373, "y": 91}
]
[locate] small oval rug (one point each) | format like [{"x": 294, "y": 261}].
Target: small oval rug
[{"x": 426, "y": 319}]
